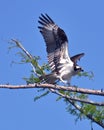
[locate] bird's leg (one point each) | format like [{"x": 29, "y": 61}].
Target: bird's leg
[{"x": 62, "y": 80}]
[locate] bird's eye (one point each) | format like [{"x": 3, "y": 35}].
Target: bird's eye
[{"x": 77, "y": 68}]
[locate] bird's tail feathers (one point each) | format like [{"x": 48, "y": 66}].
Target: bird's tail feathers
[{"x": 49, "y": 78}]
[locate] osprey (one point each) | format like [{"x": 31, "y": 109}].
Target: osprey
[{"x": 62, "y": 66}]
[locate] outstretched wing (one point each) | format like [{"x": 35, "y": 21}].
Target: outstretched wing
[
  {"x": 56, "y": 43},
  {"x": 77, "y": 57}
]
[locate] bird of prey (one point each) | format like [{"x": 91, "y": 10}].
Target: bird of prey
[{"x": 62, "y": 66}]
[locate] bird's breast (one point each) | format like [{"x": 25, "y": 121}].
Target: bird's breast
[{"x": 66, "y": 72}]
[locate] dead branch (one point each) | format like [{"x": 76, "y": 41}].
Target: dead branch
[
  {"x": 27, "y": 53},
  {"x": 57, "y": 87},
  {"x": 78, "y": 99}
]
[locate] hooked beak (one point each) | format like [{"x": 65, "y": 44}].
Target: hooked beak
[{"x": 82, "y": 69}]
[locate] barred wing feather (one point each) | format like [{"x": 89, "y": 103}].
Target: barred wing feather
[{"x": 56, "y": 43}]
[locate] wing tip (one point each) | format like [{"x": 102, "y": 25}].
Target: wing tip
[
  {"x": 45, "y": 19},
  {"x": 82, "y": 53}
]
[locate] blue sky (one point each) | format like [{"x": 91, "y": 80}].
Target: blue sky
[{"x": 83, "y": 22}]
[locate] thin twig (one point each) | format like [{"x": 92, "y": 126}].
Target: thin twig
[
  {"x": 28, "y": 55},
  {"x": 23, "y": 49}
]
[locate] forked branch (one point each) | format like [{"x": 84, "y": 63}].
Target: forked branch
[{"x": 57, "y": 87}]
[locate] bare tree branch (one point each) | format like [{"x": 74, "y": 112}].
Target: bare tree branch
[
  {"x": 28, "y": 55},
  {"x": 57, "y": 87},
  {"x": 23, "y": 49},
  {"x": 77, "y": 99}
]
